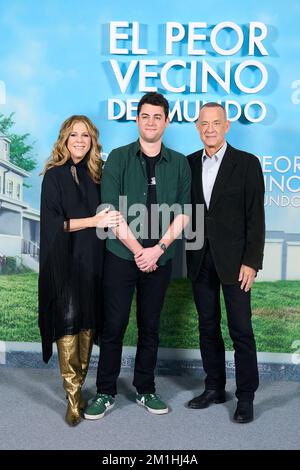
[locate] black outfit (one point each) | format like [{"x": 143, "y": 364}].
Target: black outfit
[
  {"x": 234, "y": 231},
  {"x": 128, "y": 172},
  {"x": 121, "y": 277},
  {"x": 152, "y": 222},
  {"x": 70, "y": 262},
  {"x": 118, "y": 294}
]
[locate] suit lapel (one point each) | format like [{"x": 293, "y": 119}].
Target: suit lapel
[
  {"x": 197, "y": 179},
  {"x": 225, "y": 170}
]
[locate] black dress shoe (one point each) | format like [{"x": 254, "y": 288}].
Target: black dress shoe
[
  {"x": 207, "y": 398},
  {"x": 243, "y": 412}
]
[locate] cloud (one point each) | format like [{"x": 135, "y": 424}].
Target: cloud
[
  {"x": 30, "y": 63},
  {"x": 30, "y": 116}
]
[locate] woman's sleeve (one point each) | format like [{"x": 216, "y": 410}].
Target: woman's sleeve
[{"x": 54, "y": 260}]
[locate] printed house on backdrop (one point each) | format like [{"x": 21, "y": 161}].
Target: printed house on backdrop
[{"x": 19, "y": 224}]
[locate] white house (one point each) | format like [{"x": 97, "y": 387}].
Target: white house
[{"x": 19, "y": 223}]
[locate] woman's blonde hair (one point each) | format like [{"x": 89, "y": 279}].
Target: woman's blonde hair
[{"x": 60, "y": 153}]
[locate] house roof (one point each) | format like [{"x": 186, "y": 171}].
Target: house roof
[{"x": 14, "y": 168}]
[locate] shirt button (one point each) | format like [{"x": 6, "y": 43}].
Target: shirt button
[{"x": 144, "y": 194}]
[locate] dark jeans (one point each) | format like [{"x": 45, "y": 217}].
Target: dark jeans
[
  {"x": 238, "y": 307},
  {"x": 120, "y": 279}
]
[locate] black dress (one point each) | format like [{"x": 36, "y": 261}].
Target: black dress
[{"x": 70, "y": 262}]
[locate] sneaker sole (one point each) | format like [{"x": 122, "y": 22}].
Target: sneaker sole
[
  {"x": 92, "y": 417},
  {"x": 151, "y": 410}
]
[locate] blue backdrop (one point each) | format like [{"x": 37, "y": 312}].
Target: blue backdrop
[{"x": 62, "y": 58}]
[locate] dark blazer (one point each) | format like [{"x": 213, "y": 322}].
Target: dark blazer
[{"x": 234, "y": 224}]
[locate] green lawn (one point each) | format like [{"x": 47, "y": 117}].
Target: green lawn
[{"x": 276, "y": 314}]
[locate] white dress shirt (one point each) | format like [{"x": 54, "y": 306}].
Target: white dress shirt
[{"x": 210, "y": 168}]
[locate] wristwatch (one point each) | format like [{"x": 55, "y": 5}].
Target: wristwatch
[{"x": 162, "y": 246}]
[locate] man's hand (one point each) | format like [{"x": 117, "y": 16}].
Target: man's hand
[
  {"x": 246, "y": 277},
  {"x": 146, "y": 259}
]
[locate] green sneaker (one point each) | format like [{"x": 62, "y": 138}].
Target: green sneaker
[
  {"x": 100, "y": 404},
  {"x": 152, "y": 402}
]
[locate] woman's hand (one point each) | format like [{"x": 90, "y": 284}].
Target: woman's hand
[{"x": 107, "y": 218}]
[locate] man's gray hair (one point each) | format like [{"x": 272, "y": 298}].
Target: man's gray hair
[{"x": 213, "y": 104}]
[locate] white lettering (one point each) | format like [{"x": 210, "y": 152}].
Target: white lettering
[
  {"x": 123, "y": 81},
  {"x": 257, "y": 40},
  {"x": 171, "y": 37},
  {"x": 163, "y": 76},
  {"x": 144, "y": 74},
  {"x": 115, "y": 36},
  {"x": 257, "y": 65},
  {"x": 192, "y": 37},
  {"x": 224, "y": 25}
]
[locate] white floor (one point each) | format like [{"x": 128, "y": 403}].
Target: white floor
[{"x": 33, "y": 406}]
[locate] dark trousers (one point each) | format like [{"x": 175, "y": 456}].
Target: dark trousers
[
  {"x": 238, "y": 307},
  {"x": 120, "y": 279}
]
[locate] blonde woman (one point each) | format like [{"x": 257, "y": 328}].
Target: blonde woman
[{"x": 71, "y": 254}]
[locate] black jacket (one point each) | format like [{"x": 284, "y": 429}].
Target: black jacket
[
  {"x": 70, "y": 262},
  {"x": 234, "y": 224}
]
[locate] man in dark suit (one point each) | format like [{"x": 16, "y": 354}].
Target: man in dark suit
[{"x": 229, "y": 183}]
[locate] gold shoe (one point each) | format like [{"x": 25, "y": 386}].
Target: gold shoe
[
  {"x": 73, "y": 416},
  {"x": 85, "y": 349},
  {"x": 82, "y": 401},
  {"x": 86, "y": 338},
  {"x": 70, "y": 368}
]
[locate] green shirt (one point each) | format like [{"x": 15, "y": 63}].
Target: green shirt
[{"x": 125, "y": 174}]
